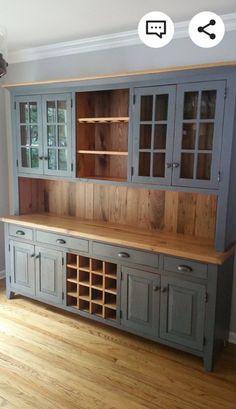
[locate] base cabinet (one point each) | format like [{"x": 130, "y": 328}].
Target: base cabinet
[
  {"x": 48, "y": 269},
  {"x": 22, "y": 277},
  {"x": 182, "y": 314},
  {"x": 140, "y": 301},
  {"x": 36, "y": 271}
]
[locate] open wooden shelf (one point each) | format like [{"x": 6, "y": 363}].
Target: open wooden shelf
[
  {"x": 93, "y": 284},
  {"x": 104, "y": 120},
  {"x": 102, "y": 134}
]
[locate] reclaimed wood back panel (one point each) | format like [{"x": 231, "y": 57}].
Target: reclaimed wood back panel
[{"x": 175, "y": 212}]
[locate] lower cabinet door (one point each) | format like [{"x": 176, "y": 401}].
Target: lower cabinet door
[
  {"x": 49, "y": 275},
  {"x": 140, "y": 301},
  {"x": 182, "y": 313},
  {"x": 22, "y": 269}
]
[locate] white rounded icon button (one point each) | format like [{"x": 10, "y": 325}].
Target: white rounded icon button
[
  {"x": 156, "y": 29},
  {"x": 206, "y": 29}
]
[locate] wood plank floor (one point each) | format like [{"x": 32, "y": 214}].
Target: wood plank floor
[{"x": 50, "y": 359}]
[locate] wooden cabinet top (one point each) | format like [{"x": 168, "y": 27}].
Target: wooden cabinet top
[{"x": 165, "y": 243}]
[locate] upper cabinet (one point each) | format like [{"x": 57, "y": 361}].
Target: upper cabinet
[
  {"x": 43, "y": 130},
  {"x": 172, "y": 136},
  {"x": 178, "y": 134}
]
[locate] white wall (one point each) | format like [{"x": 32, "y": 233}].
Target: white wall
[
  {"x": 3, "y": 177},
  {"x": 178, "y": 53}
]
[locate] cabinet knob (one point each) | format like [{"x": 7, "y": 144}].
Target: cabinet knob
[
  {"x": 184, "y": 269},
  {"x": 60, "y": 241},
  {"x": 175, "y": 165},
  {"x": 32, "y": 255},
  {"x": 46, "y": 157},
  {"x": 122, "y": 254},
  {"x": 156, "y": 288},
  {"x": 20, "y": 232},
  {"x": 40, "y": 157},
  {"x": 164, "y": 289},
  {"x": 168, "y": 165},
  {"x": 38, "y": 256}
]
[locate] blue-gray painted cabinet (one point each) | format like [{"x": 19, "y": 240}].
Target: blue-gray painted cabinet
[
  {"x": 182, "y": 312},
  {"x": 44, "y": 134},
  {"x": 36, "y": 271},
  {"x": 140, "y": 301},
  {"x": 22, "y": 277},
  {"x": 177, "y": 134},
  {"x": 48, "y": 274}
]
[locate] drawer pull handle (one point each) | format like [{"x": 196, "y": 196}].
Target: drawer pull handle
[
  {"x": 156, "y": 288},
  {"x": 60, "y": 241},
  {"x": 122, "y": 254},
  {"x": 184, "y": 269},
  {"x": 20, "y": 232}
]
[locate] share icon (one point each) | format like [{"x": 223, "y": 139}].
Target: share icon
[{"x": 202, "y": 29}]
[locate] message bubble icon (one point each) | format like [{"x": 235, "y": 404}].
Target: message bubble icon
[{"x": 156, "y": 27}]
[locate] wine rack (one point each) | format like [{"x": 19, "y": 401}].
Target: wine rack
[{"x": 92, "y": 286}]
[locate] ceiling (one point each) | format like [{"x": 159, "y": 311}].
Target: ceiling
[{"x": 31, "y": 23}]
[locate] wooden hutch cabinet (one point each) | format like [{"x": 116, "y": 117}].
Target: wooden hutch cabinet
[{"x": 124, "y": 202}]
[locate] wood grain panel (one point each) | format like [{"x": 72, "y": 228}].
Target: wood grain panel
[{"x": 173, "y": 212}]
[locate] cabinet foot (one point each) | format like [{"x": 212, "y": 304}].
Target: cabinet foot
[
  {"x": 10, "y": 294},
  {"x": 208, "y": 363}
]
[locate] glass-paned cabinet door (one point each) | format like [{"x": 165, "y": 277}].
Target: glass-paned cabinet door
[
  {"x": 57, "y": 134},
  {"x": 199, "y": 123},
  {"x": 153, "y": 132},
  {"x": 29, "y": 134}
]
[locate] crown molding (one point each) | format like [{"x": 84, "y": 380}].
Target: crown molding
[{"x": 103, "y": 42}]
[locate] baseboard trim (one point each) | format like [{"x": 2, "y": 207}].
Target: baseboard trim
[
  {"x": 232, "y": 337},
  {"x": 2, "y": 274}
]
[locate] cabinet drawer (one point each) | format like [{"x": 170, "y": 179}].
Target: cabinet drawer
[
  {"x": 124, "y": 254},
  {"x": 20, "y": 232},
  {"x": 62, "y": 241},
  {"x": 183, "y": 266}
]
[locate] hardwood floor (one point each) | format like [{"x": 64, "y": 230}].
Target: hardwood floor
[{"x": 51, "y": 359}]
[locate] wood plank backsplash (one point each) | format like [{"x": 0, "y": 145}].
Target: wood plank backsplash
[{"x": 175, "y": 212}]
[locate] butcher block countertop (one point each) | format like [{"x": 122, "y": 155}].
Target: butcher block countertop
[{"x": 166, "y": 243}]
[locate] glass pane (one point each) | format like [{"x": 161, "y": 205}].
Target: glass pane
[
  {"x": 34, "y": 135},
  {"x": 146, "y": 108},
  {"x": 62, "y": 135},
  {"x": 24, "y": 135},
  {"x": 25, "y": 158},
  {"x": 206, "y": 136},
  {"x": 208, "y": 104},
  {"x": 189, "y": 136},
  {"x": 33, "y": 113},
  {"x": 190, "y": 105},
  {"x": 61, "y": 111},
  {"x": 204, "y": 166},
  {"x": 161, "y": 107},
  {"x": 145, "y": 136},
  {"x": 144, "y": 163},
  {"x": 159, "y": 165},
  {"x": 187, "y": 162},
  {"x": 51, "y": 112},
  {"x": 51, "y": 135},
  {"x": 24, "y": 112},
  {"x": 52, "y": 159},
  {"x": 160, "y": 136},
  {"x": 34, "y": 158},
  {"x": 62, "y": 159}
]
